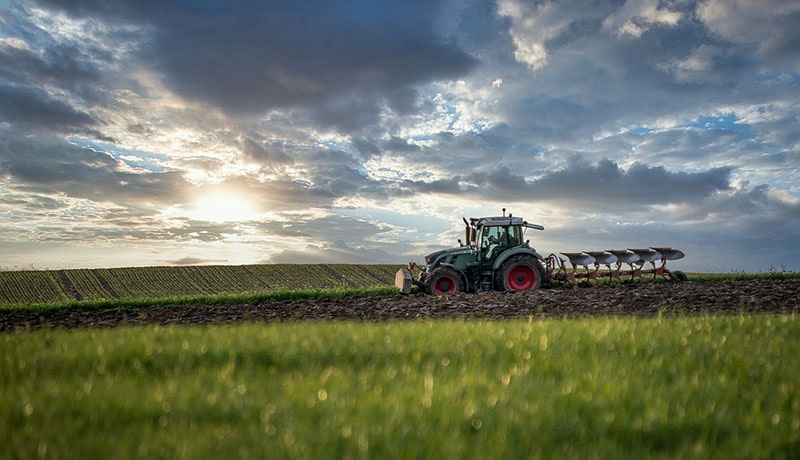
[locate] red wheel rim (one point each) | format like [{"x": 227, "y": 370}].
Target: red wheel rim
[
  {"x": 521, "y": 278},
  {"x": 444, "y": 285}
]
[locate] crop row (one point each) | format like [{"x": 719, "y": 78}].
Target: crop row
[
  {"x": 30, "y": 287},
  {"x": 23, "y": 287}
]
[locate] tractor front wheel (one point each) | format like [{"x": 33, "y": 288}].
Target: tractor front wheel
[
  {"x": 519, "y": 273},
  {"x": 445, "y": 281}
]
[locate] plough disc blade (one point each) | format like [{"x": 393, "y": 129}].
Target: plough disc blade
[
  {"x": 603, "y": 257},
  {"x": 647, "y": 254},
  {"x": 624, "y": 256},
  {"x": 578, "y": 258},
  {"x": 669, "y": 253}
]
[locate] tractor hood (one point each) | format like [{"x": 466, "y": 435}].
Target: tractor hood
[{"x": 432, "y": 257}]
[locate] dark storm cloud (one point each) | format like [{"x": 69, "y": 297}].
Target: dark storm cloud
[
  {"x": 368, "y": 147},
  {"x": 752, "y": 209},
  {"x": 771, "y": 25},
  {"x": 250, "y": 56},
  {"x": 31, "y": 203},
  {"x": 601, "y": 185},
  {"x": 268, "y": 153},
  {"x": 640, "y": 183},
  {"x": 51, "y": 79},
  {"x": 340, "y": 174},
  {"x": 64, "y": 66},
  {"x": 26, "y": 106},
  {"x": 53, "y": 165},
  {"x": 347, "y": 114}
]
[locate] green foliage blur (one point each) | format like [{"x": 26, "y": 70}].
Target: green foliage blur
[{"x": 664, "y": 387}]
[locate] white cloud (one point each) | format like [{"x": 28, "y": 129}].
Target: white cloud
[
  {"x": 636, "y": 17},
  {"x": 697, "y": 67},
  {"x": 531, "y": 26}
]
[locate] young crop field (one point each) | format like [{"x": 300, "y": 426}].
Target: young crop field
[
  {"x": 51, "y": 286},
  {"x": 613, "y": 387},
  {"x": 215, "y": 284}
]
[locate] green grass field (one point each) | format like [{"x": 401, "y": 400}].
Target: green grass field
[{"x": 700, "y": 387}]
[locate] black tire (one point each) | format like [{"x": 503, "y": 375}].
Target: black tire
[
  {"x": 444, "y": 281},
  {"x": 678, "y": 276},
  {"x": 519, "y": 273}
]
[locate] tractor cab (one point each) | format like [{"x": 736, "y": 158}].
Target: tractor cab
[{"x": 495, "y": 235}]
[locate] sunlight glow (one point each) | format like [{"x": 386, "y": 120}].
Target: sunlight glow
[{"x": 223, "y": 207}]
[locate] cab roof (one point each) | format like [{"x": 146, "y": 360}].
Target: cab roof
[
  {"x": 501, "y": 221},
  {"x": 496, "y": 221}
]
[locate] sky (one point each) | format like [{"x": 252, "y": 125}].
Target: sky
[{"x": 150, "y": 132}]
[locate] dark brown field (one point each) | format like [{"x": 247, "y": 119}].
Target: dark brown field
[{"x": 648, "y": 299}]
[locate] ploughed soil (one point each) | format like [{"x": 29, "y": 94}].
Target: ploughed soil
[{"x": 644, "y": 299}]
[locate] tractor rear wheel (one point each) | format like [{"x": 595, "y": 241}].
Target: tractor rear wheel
[
  {"x": 445, "y": 281},
  {"x": 519, "y": 273}
]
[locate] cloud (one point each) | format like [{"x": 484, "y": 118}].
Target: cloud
[
  {"x": 771, "y": 25},
  {"x": 695, "y": 67},
  {"x": 265, "y": 152},
  {"x": 369, "y": 147},
  {"x": 65, "y": 67},
  {"x": 538, "y": 28},
  {"x": 195, "y": 261},
  {"x": 29, "y": 107},
  {"x": 601, "y": 186},
  {"x": 55, "y": 166},
  {"x": 636, "y": 17},
  {"x": 332, "y": 238},
  {"x": 250, "y": 56},
  {"x": 750, "y": 209},
  {"x": 532, "y": 25},
  {"x": 337, "y": 252}
]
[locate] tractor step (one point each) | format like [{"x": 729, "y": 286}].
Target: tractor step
[{"x": 487, "y": 283}]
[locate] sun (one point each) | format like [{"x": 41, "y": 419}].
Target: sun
[{"x": 223, "y": 207}]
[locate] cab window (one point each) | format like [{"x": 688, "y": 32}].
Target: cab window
[
  {"x": 501, "y": 236},
  {"x": 491, "y": 237}
]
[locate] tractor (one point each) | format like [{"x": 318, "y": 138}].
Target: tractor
[{"x": 495, "y": 256}]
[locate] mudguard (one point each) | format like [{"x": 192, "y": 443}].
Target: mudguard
[{"x": 513, "y": 252}]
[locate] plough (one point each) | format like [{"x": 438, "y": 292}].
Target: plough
[{"x": 614, "y": 265}]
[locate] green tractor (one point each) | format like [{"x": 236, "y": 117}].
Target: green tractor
[{"x": 495, "y": 256}]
